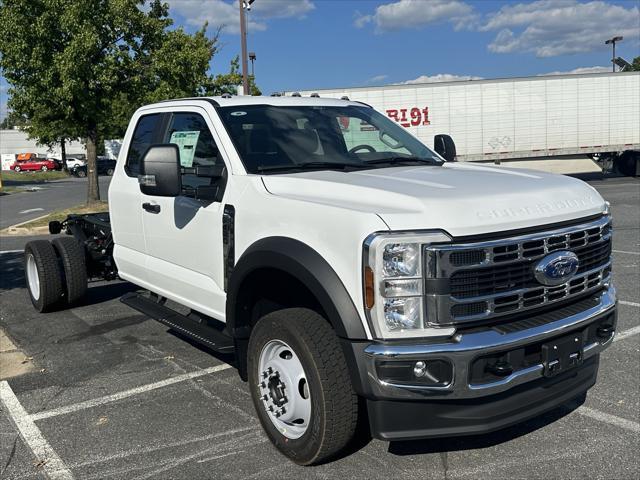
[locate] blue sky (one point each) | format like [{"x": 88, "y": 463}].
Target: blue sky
[{"x": 305, "y": 44}]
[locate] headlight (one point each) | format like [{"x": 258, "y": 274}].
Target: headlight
[{"x": 394, "y": 286}]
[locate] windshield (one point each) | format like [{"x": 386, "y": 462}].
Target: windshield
[{"x": 274, "y": 139}]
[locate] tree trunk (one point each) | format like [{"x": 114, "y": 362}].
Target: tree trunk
[
  {"x": 63, "y": 154},
  {"x": 93, "y": 189}
]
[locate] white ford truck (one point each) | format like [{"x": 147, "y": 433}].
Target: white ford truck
[{"x": 348, "y": 267}]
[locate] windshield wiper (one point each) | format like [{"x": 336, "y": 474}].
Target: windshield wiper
[
  {"x": 311, "y": 166},
  {"x": 397, "y": 160}
]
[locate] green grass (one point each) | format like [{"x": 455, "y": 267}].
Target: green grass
[
  {"x": 61, "y": 215},
  {"x": 25, "y": 178},
  {"x": 7, "y": 190}
]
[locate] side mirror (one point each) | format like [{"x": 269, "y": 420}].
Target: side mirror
[
  {"x": 445, "y": 147},
  {"x": 160, "y": 171}
]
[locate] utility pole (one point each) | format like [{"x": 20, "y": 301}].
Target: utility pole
[
  {"x": 243, "y": 41},
  {"x": 612, "y": 41}
]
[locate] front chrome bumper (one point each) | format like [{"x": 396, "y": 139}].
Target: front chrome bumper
[{"x": 462, "y": 349}]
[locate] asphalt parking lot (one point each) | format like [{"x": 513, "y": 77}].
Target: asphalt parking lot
[{"x": 115, "y": 395}]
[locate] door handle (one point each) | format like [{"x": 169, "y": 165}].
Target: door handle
[{"x": 151, "y": 207}]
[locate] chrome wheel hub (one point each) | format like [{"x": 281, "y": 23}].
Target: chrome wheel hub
[{"x": 284, "y": 390}]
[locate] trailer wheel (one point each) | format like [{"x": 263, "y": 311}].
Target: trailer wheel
[
  {"x": 300, "y": 385},
  {"x": 74, "y": 268},
  {"x": 627, "y": 163},
  {"x": 43, "y": 275}
]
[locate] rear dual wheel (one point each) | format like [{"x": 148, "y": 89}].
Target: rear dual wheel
[
  {"x": 300, "y": 385},
  {"x": 43, "y": 275},
  {"x": 55, "y": 273}
]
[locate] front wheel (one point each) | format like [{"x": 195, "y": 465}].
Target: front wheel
[
  {"x": 300, "y": 385},
  {"x": 17, "y": 169},
  {"x": 44, "y": 168}
]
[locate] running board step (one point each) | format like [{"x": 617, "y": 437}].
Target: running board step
[{"x": 200, "y": 332}]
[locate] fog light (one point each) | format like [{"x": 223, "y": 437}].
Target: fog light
[
  {"x": 420, "y": 369},
  {"x": 432, "y": 373}
]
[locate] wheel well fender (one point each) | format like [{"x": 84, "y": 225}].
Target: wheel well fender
[{"x": 292, "y": 260}]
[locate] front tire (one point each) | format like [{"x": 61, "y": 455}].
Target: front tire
[
  {"x": 17, "y": 169},
  {"x": 43, "y": 275},
  {"x": 300, "y": 385},
  {"x": 44, "y": 168}
]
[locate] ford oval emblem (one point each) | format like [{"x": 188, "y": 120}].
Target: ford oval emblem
[{"x": 557, "y": 268}]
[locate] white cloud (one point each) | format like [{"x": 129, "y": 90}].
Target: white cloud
[
  {"x": 415, "y": 13},
  {"x": 226, "y": 13},
  {"x": 377, "y": 79},
  {"x": 557, "y": 27},
  {"x": 448, "y": 77},
  {"x": 579, "y": 70},
  {"x": 440, "y": 77}
]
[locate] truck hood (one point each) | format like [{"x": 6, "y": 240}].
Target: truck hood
[{"x": 460, "y": 198}]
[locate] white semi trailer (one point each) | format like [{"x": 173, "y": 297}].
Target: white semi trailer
[{"x": 594, "y": 114}]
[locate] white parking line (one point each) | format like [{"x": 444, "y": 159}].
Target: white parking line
[
  {"x": 31, "y": 210},
  {"x": 629, "y": 304},
  {"x": 127, "y": 393},
  {"x": 627, "y": 333},
  {"x": 51, "y": 463},
  {"x": 610, "y": 419},
  {"x": 11, "y": 251},
  {"x": 624, "y": 251}
]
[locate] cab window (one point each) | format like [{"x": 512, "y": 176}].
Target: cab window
[
  {"x": 190, "y": 133},
  {"x": 143, "y": 137}
]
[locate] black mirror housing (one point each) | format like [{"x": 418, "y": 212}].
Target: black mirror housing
[
  {"x": 160, "y": 171},
  {"x": 445, "y": 147}
]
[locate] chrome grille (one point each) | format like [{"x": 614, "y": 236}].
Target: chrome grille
[{"x": 495, "y": 278}]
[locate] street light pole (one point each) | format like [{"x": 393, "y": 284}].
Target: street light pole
[
  {"x": 244, "y": 4},
  {"x": 612, "y": 41},
  {"x": 243, "y": 42}
]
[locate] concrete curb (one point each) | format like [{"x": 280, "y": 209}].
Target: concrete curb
[
  {"x": 18, "y": 229},
  {"x": 20, "y": 232}
]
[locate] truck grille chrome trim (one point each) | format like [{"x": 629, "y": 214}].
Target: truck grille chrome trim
[
  {"x": 465, "y": 348},
  {"x": 486, "y": 280}
]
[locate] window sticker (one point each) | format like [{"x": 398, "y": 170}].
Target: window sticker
[
  {"x": 186, "y": 142},
  {"x": 238, "y": 113}
]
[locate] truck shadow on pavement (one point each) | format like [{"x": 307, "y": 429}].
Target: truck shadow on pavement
[{"x": 12, "y": 271}]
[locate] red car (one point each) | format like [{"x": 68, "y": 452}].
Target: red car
[{"x": 33, "y": 163}]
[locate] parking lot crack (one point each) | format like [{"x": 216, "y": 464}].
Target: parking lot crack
[
  {"x": 444, "y": 457},
  {"x": 11, "y": 455}
]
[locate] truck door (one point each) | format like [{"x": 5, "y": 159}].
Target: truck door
[
  {"x": 184, "y": 234},
  {"x": 124, "y": 196}
]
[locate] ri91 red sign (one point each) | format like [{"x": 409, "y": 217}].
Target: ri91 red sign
[{"x": 410, "y": 117}]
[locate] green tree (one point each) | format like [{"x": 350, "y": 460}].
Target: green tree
[
  {"x": 79, "y": 69},
  {"x": 228, "y": 82},
  {"x": 12, "y": 120},
  {"x": 635, "y": 65}
]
